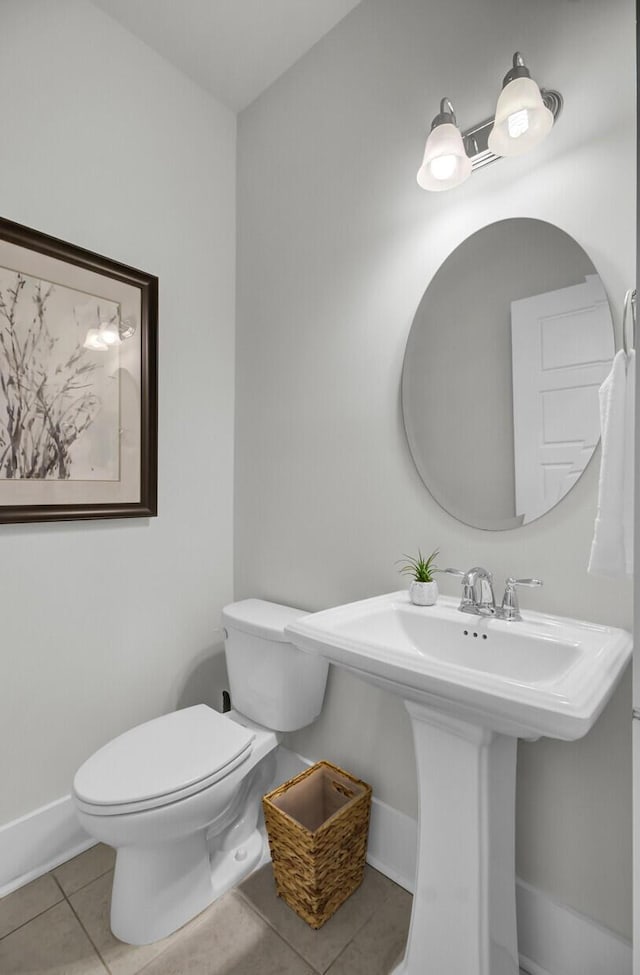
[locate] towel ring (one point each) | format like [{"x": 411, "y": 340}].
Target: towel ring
[{"x": 629, "y": 302}]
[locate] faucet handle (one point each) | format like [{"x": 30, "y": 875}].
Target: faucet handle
[
  {"x": 510, "y": 609},
  {"x": 453, "y": 572}
]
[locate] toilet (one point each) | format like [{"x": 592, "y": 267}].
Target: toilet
[{"x": 178, "y": 797}]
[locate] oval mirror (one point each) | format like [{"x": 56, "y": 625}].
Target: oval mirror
[{"x": 507, "y": 350}]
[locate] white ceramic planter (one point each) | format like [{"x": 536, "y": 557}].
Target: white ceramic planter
[{"x": 423, "y": 593}]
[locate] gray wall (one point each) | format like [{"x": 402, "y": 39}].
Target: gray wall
[
  {"x": 106, "y": 624},
  {"x": 336, "y": 246}
]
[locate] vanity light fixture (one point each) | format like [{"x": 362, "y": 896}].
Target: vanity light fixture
[
  {"x": 446, "y": 163},
  {"x": 524, "y": 115},
  {"x": 109, "y": 333},
  {"x": 522, "y": 118}
]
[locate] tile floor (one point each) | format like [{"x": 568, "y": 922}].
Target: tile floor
[{"x": 59, "y": 925}]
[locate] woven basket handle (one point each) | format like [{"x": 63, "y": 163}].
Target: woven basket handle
[{"x": 344, "y": 790}]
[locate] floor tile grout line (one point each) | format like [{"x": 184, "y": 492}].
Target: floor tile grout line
[
  {"x": 193, "y": 923},
  {"x": 170, "y": 944},
  {"x": 267, "y": 920},
  {"x": 67, "y": 898},
  {"x": 338, "y": 956},
  {"x": 92, "y": 942},
  {"x": 360, "y": 927},
  {"x": 82, "y": 886},
  {"x": 58, "y": 885},
  {"x": 140, "y": 971},
  {"x": 397, "y": 961},
  {"x": 280, "y": 936},
  {"x": 35, "y": 916},
  {"x": 355, "y": 934}
]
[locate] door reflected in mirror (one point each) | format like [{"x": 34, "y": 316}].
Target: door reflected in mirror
[{"x": 508, "y": 348}]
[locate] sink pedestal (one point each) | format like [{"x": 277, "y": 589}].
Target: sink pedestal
[{"x": 464, "y": 909}]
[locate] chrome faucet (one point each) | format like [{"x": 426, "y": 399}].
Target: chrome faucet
[
  {"x": 477, "y": 591},
  {"x": 478, "y": 596}
]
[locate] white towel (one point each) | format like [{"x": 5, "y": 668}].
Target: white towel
[
  {"x": 628, "y": 494},
  {"x": 612, "y": 547}
]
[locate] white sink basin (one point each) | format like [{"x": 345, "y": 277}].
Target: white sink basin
[
  {"x": 472, "y": 685},
  {"x": 544, "y": 675}
]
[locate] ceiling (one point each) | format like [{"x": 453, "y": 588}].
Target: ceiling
[{"x": 231, "y": 48}]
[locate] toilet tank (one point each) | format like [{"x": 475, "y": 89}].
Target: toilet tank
[{"x": 271, "y": 681}]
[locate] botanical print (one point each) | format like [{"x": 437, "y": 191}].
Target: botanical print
[{"x": 59, "y": 401}]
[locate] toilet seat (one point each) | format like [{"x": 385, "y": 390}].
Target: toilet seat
[{"x": 162, "y": 761}]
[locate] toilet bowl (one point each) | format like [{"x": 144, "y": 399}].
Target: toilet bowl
[{"x": 179, "y": 796}]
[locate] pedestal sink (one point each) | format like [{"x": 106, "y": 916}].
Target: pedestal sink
[{"x": 472, "y": 687}]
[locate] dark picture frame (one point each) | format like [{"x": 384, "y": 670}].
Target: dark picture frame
[{"x": 78, "y": 382}]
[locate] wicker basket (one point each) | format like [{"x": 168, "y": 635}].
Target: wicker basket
[{"x": 318, "y": 823}]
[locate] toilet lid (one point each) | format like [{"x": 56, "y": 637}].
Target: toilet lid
[{"x": 162, "y": 756}]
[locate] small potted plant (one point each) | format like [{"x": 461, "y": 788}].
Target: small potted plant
[{"x": 423, "y": 590}]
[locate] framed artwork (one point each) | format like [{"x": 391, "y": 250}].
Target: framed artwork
[{"x": 78, "y": 382}]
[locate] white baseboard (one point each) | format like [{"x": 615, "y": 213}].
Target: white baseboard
[
  {"x": 531, "y": 967},
  {"x": 38, "y": 842},
  {"x": 552, "y": 939},
  {"x": 555, "y": 940},
  {"x": 393, "y": 841}
]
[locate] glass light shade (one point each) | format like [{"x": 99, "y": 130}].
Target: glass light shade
[
  {"x": 110, "y": 333},
  {"x": 94, "y": 341},
  {"x": 445, "y": 162},
  {"x": 522, "y": 119}
]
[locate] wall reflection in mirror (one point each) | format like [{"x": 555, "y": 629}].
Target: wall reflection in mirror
[{"x": 508, "y": 348}]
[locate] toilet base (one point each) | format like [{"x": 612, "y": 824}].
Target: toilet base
[{"x": 158, "y": 889}]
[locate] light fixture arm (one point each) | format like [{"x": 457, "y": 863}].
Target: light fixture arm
[
  {"x": 519, "y": 70},
  {"x": 446, "y": 115}
]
